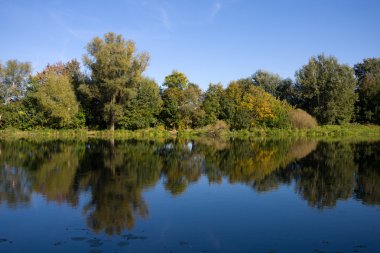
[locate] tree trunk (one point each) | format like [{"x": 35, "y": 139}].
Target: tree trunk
[
  {"x": 112, "y": 114},
  {"x": 112, "y": 124}
]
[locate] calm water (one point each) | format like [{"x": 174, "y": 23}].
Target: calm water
[{"x": 205, "y": 196}]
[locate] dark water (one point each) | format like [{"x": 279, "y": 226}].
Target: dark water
[{"x": 205, "y": 196}]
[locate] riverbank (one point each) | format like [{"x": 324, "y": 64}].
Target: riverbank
[{"x": 329, "y": 131}]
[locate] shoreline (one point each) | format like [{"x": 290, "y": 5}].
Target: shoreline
[{"x": 353, "y": 131}]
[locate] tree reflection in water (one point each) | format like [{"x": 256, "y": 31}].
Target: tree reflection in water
[{"x": 117, "y": 172}]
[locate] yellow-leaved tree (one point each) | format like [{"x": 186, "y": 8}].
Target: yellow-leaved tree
[{"x": 246, "y": 105}]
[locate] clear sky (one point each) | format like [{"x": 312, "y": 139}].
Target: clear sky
[{"x": 209, "y": 40}]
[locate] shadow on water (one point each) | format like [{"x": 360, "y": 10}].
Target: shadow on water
[{"x": 117, "y": 172}]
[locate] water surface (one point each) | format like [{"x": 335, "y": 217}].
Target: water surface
[{"x": 189, "y": 196}]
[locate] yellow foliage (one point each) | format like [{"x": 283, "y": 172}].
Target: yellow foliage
[{"x": 260, "y": 104}]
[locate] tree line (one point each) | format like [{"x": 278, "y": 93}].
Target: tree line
[{"x": 114, "y": 93}]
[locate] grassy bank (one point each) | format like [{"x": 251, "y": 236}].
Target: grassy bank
[
  {"x": 351, "y": 131},
  {"x": 354, "y": 131},
  {"x": 83, "y": 134}
]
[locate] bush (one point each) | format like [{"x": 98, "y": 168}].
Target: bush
[
  {"x": 300, "y": 119},
  {"x": 219, "y": 128}
]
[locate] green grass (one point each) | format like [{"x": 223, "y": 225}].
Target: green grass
[
  {"x": 83, "y": 134},
  {"x": 353, "y": 131}
]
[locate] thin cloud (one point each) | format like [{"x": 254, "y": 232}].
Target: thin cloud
[
  {"x": 215, "y": 10},
  {"x": 165, "y": 18},
  {"x": 60, "y": 21},
  {"x": 64, "y": 20}
]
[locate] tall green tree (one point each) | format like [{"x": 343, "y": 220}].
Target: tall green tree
[
  {"x": 14, "y": 77},
  {"x": 116, "y": 69},
  {"x": 368, "y": 89},
  {"x": 182, "y": 102},
  {"x": 191, "y": 112},
  {"x": 267, "y": 81},
  {"x": 326, "y": 90},
  {"x": 169, "y": 115},
  {"x": 144, "y": 108},
  {"x": 272, "y": 83},
  {"x": 176, "y": 80},
  {"x": 212, "y": 103},
  {"x": 285, "y": 91}
]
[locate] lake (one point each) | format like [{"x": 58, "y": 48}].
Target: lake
[{"x": 189, "y": 196}]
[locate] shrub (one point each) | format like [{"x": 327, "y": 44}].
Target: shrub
[
  {"x": 301, "y": 119},
  {"x": 217, "y": 129}
]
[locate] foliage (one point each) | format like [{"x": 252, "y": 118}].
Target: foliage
[
  {"x": 23, "y": 115},
  {"x": 246, "y": 106},
  {"x": 55, "y": 97},
  {"x": 300, "y": 119},
  {"x": 212, "y": 103},
  {"x": 218, "y": 129},
  {"x": 144, "y": 108},
  {"x": 191, "y": 113},
  {"x": 115, "y": 73},
  {"x": 176, "y": 80},
  {"x": 325, "y": 89},
  {"x": 49, "y": 102},
  {"x": 368, "y": 89},
  {"x": 181, "y": 103},
  {"x": 267, "y": 81},
  {"x": 282, "y": 89},
  {"x": 171, "y": 98},
  {"x": 71, "y": 70},
  {"x": 14, "y": 77},
  {"x": 285, "y": 91}
]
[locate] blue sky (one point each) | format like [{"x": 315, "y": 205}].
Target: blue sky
[{"x": 209, "y": 40}]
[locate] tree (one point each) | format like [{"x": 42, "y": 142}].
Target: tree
[
  {"x": 246, "y": 105},
  {"x": 267, "y": 81},
  {"x": 115, "y": 72},
  {"x": 282, "y": 89},
  {"x": 176, "y": 80},
  {"x": 191, "y": 113},
  {"x": 212, "y": 103},
  {"x": 55, "y": 97},
  {"x": 171, "y": 99},
  {"x": 237, "y": 117},
  {"x": 47, "y": 101},
  {"x": 325, "y": 89},
  {"x": 182, "y": 102},
  {"x": 71, "y": 69},
  {"x": 14, "y": 77},
  {"x": 144, "y": 108},
  {"x": 368, "y": 90},
  {"x": 285, "y": 91}
]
